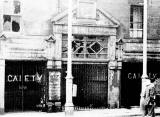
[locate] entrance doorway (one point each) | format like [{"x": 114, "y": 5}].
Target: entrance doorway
[
  {"x": 92, "y": 85},
  {"x": 131, "y": 84},
  {"x": 23, "y": 85}
]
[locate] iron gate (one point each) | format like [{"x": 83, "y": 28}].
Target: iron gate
[
  {"x": 24, "y": 84},
  {"x": 92, "y": 88}
]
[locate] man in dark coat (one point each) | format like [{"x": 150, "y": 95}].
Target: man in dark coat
[{"x": 148, "y": 99}]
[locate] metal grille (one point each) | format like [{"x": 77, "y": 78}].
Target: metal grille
[{"x": 91, "y": 81}]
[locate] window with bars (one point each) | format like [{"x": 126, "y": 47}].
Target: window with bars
[
  {"x": 11, "y": 15},
  {"x": 90, "y": 47},
  {"x": 136, "y": 21}
]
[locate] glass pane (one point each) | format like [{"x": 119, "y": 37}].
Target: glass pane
[
  {"x": 140, "y": 32},
  {"x": 102, "y": 56},
  {"x": 16, "y": 7},
  {"x": 7, "y": 23},
  {"x": 89, "y": 50},
  {"x": 7, "y": 7},
  {"x": 78, "y": 56},
  {"x": 15, "y": 24},
  {"x": 78, "y": 37},
  {"x": 91, "y": 56},
  {"x": 103, "y": 42},
  {"x": 104, "y": 51},
  {"x": 64, "y": 49},
  {"x": 77, "y": 44},
  {"x": 96, "y": 47},
  {"x": 80, "y": 50},
  {"x": 137, "y": 18},
  {"x": 64, "y": 55},
  {"x": 64, "y": 37},
  {"x": 65, "y": 44}
]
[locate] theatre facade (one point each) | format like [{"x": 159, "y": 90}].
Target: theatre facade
[
  {"x": 106, "y": 54},
  {"x": 33, "y": 62}
]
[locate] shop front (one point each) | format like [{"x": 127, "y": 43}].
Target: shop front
[
  {"x": 131, "y": 81},
  {"x": 24, "y": 85}
]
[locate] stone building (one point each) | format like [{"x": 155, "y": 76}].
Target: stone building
[{"x": 106, "y": 52}]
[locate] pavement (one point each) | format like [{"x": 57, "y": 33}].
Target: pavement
[{"x": 122, "y": 112}]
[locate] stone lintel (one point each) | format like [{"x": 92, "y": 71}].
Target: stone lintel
[{"x": 86, "y": 30}]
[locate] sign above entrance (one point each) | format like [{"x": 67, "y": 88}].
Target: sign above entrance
[{"x": 26, "y": 78}]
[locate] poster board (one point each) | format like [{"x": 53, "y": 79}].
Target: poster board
[{"x": 54, "y": 85}]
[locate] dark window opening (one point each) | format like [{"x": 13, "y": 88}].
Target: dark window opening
[
  {"x": 15, "y": 26},
  {"x": 7, "y": 22},
  {"x": 11, "y": 16},
  {"x": 16, "y": 7}
]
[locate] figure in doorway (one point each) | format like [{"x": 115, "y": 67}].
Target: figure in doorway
[{"x": 147, "y": 103}]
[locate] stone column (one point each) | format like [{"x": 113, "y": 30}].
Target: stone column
[
  {"x": 119, "y": 53},
  {"x": 113, "y": 85},
  {"x": 2, "y": 85},
  {"x": 119, "y": 70}
]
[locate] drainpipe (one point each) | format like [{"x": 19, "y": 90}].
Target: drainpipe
[
  {"x": 144, "y": 75},
  {"x": 69, "y": 107}
]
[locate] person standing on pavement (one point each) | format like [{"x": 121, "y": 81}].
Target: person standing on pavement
[{"x": 147, "y": 103}]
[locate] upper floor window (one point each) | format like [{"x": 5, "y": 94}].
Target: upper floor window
[
  {"x": 90, "y": 47},
  {"x": 11, "y": 15},
  {"x": 136, "y": 21}
]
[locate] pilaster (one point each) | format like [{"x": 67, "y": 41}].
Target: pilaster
[
  {"x": 54, "y": 67},
  {"x": 58, "y": 51},
  {"x": 2, "y": 85},
  {"x": 113, "y": 75}
]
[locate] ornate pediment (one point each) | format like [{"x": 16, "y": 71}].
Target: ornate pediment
[{"x": 103, "y": 18}]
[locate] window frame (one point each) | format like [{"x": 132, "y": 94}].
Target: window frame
[
  {"x": 135, "y": 32},
  {"x": 100, "y": 54},
  {"x": 11, "y": 16}
]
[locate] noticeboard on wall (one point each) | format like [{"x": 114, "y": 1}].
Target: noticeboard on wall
[{"x": 54, "y": 84}]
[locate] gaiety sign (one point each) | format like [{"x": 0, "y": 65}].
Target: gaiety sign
[
  {"x": 26, "y": 78},
  {"x": 133, "y": 75}
]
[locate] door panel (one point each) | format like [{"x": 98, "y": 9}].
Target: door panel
[{"x": 23, "y": 86}]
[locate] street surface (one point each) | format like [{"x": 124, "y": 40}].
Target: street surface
[{"x": 134, "y": 112}]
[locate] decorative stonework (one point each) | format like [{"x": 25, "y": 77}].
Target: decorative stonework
[
  {"x": 51, "y": 39},
  {"x": 103, "y": 19},
  {"x": 23, "y": 48},
  {"x": 85, "y": 30}
]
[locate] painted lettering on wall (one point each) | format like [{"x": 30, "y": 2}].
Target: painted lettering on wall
[
  {"x": 26, "y": 78},
  {"x": 139, "y": 75}
]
